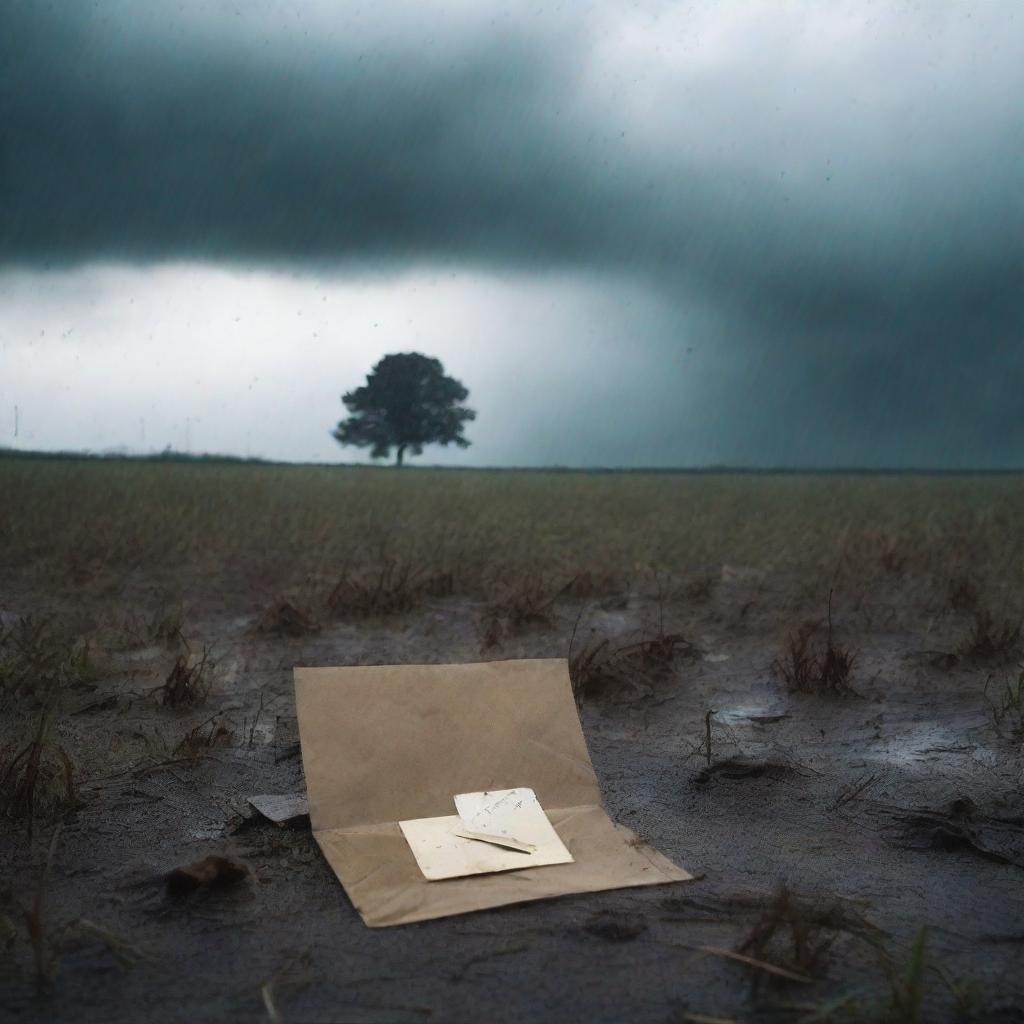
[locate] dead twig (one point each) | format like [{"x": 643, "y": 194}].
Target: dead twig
[{"x": 848, "y": 794}]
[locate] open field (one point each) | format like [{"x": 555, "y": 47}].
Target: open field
[{"x": 869, "y": 760}]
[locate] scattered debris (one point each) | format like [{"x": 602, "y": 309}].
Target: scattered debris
[
  {"x": 768, "y": 719},
  {"x": 290, "y": 810},
  {"x": 755, "y": 714},
  {"x": 213, "y": 871},
  {"x": 958, "y": 827}
]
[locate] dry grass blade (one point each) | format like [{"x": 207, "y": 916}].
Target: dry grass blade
[
  {"x": 189, "y": 681},
  {"x": 1007, "y": 706},
  {"x": 390, "y": 590},
  {"x": 126, "y": 952},
  {"x": 528, "y": 602},
  {"x": 600, "y": 669},
  {"x": 267, "y": 995},
  {"x": 167, "y": 623},
  {"x": 198, "y": 740},
  {"x": 807, "y": 668},
  {"x": 989, "y": 639},
  {"x": 42, "y": 952},
  {"x": 759, "y": 965},
  {"x": 849, "y": 793},
  {"x": 37, "y": 780},
  {"x": 294, "y": 973},
  {"x": 38, "y": 663},
  {"x": 798, "y": 932}
]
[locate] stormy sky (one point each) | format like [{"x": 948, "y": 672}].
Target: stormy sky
[{"x": 650, "y": 234}]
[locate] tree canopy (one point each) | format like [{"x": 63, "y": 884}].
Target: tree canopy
[{"x": 406, "y": 402}]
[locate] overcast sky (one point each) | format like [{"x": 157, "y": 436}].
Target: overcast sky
[{"x": 647, "y": 234}]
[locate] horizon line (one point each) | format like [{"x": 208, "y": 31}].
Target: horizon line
[{"x": 170, "y": 455}]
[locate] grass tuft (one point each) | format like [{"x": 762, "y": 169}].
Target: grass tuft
[
  {"x": 38, "y": 664},
  {"x": 600, "y": 669},
  {"x": 200, "y": 739},
  {"x": 906, "y": 990},
  {"x": 989, "y": 639},
  {"x": 39, "y": 779},
  {"x": 529, "y": 602},
  {"x": 809, "y": 668},
  {"x": 167, "y": 623},
  {"x": 392, "y": 589},
  {"x": 1007, "y": 704},
  {"x": 797, "y": 933},
  {"x": 189, "y": 682}
]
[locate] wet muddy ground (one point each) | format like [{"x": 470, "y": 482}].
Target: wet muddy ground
[{"x": 884, "y": 811}]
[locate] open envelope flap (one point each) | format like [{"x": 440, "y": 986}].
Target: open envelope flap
[
  {"x": 387, "y": 743},
  {"x": 386, "y": 886}
]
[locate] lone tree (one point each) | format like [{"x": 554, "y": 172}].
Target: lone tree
[{"x": 406, "y": 402}]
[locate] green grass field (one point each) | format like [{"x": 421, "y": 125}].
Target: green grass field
[{"x": 87, "y": 516}]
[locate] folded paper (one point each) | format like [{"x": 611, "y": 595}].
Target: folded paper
[
  {"x": 500, "y": 830},
  {"x": 388, "y": 744}
]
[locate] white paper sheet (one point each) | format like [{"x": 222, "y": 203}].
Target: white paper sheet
[{"x": 499, "y": 830}]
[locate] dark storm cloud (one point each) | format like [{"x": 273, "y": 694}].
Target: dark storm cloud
[
  {"x": 153, "y": 140},
  {"x": 855, "y": 216}
]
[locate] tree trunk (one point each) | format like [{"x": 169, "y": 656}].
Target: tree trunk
[{"x": 400, "y": 451}]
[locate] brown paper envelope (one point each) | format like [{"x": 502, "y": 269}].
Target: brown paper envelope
[{"x": 388, "y": 743}]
